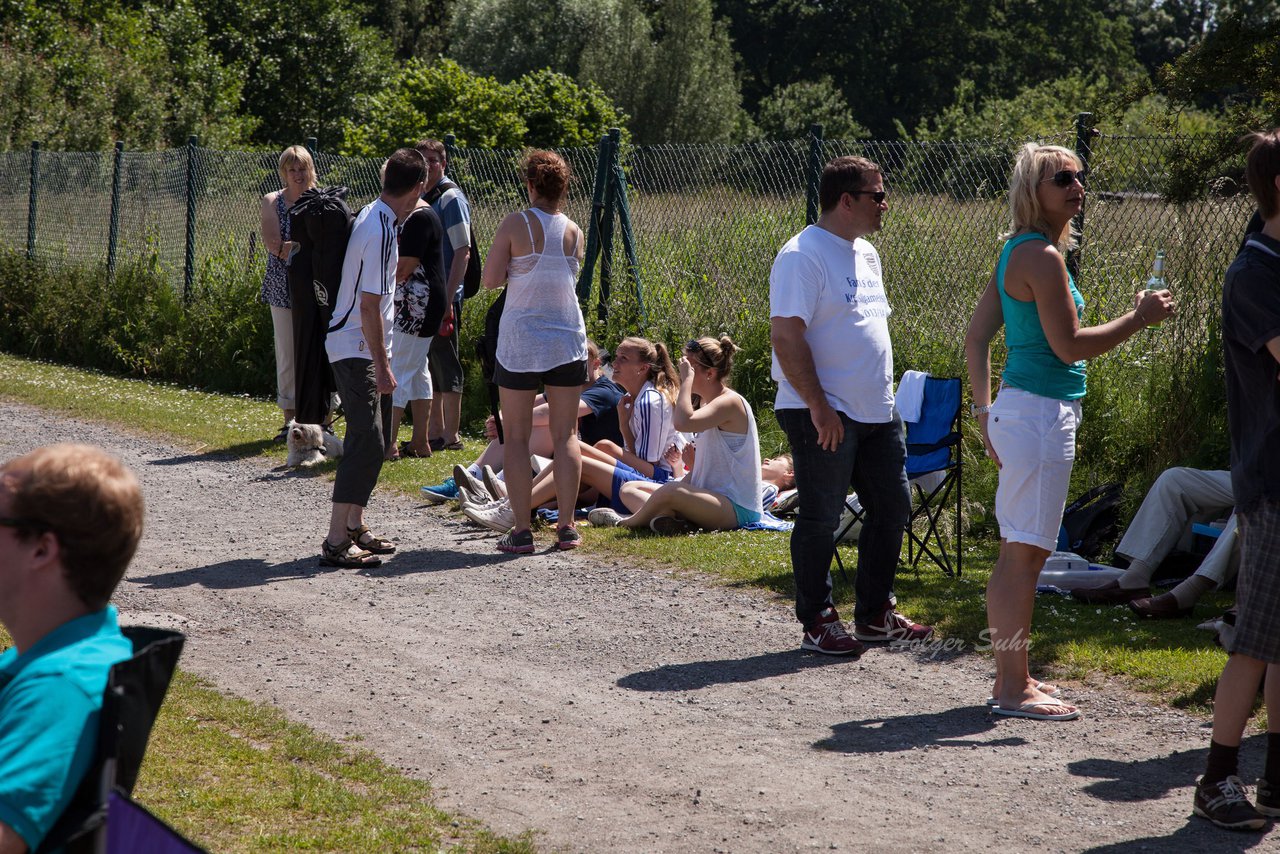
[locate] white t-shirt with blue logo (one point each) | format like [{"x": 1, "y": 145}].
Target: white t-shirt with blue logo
[{"x": 837, "y": 289}]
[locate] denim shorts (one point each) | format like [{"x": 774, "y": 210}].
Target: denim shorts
[
  {"x": 1035, "y": 439},
  {"x": 623, "y": 473}
]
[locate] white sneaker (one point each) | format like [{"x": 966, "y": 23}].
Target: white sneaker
[
  {"x": 604, "y": 517},
  {"x": 496, "y": 516},
  {"x": 467, "y": 498},
  {"x": 492, "y": 483},
  {"x": 474, "y": 486}
]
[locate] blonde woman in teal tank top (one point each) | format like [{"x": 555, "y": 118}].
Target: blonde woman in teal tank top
[{"x": 1029, "y": 431}]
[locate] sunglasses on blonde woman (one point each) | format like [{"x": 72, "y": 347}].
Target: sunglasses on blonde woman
[{"x": 1064, "y": 177}]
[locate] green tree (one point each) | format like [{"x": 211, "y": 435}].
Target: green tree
[
  {"x": 668, "y": 65},
  {"x": 308, "y": 65},
  {"x": 789, "y": 110},
  {"x": 544, "y": 109},
  {"x": 79, "y": 75}
]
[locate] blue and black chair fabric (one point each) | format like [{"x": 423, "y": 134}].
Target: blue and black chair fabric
[
  {"x": 135, "y": 690},
  {"x": 933, "y": 447}
]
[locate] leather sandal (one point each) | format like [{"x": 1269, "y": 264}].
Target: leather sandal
[
  {"x": 365, "y": 539},
  {"x": 347, "y": 555}
]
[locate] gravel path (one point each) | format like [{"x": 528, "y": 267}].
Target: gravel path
[{"x": 615, "y": 708}]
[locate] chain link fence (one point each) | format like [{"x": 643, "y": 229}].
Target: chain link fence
[{"x": 707, "y": 222}]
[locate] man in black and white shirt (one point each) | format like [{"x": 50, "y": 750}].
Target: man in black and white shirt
[{"x": 359, "y": 347}]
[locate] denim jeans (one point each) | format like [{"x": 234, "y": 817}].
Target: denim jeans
[{"x": 871, "y": 459}]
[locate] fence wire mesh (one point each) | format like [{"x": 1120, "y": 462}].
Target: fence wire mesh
[{"x": 707, "y": 222}]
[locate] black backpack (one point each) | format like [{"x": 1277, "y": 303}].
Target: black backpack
[
  {"x": 487, "y": 353},
  {"x": 471, "y": 279},
  {"x": 1090, "y": 521}
]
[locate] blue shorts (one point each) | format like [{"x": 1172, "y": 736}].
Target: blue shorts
[
  {"x": 745, "y": 517},
  {"x": 623, "y": 473}
]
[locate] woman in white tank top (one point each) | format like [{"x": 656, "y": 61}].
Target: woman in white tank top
[
  {"x": 723, "y": 491},
  {"x": 542, "y": 340}
]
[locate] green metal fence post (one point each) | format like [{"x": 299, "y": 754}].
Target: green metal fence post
[
  {"x": 813, "y": 172},
  {"x": 606, "y": 226},
  {"x": 31, "y": 200},
  {"x": 619, "y": 183},
  {"x": 593, "y": 227},
  {"x": 113, "y": 230},
  {"x": 450, "y": 149},
  {"x": 311, "y": 146},
  {"x": 1084, "y": 151},
  {"x": 189, "y": 268}
]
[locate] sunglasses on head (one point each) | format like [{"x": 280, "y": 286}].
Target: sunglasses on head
[
  {"x": 877, "y": 196},
  {"x": 1064, "y": 177}
]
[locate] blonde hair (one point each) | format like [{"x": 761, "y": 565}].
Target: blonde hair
[
  {"x": 662, "y": 373},
  {"x": 716, "y": 354},
  {"x": 1034, "y": 164},
  {"x": 91, "y": 503},
  {"x": 294, "y": 155}
]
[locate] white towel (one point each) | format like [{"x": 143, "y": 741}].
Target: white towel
[{"x": 911, "y": 394}]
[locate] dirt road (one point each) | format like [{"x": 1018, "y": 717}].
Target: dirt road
[{"x": 614, "y": 708}]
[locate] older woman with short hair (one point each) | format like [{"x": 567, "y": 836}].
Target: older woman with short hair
[{"x": 297, "y": 174}]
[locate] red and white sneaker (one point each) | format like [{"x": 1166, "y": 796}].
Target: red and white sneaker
[
  {"x": 827, "y": 635},
  {"x": 891, "y": 626}
]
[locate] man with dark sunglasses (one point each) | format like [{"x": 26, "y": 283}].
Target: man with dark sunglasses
[
  {"x": 70, "y": 522},
  {"x": 834, "y": 366}
]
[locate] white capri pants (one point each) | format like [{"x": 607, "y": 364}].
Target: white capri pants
[
  {"x": 1035, "y": 439},
  {"x": 409, "y": 366},
  {"x": 282, "y": 327}
]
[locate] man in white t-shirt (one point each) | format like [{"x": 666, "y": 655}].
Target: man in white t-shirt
[
  {"x": 834, "y": 366},
  {"x": 359, "y": 347}
]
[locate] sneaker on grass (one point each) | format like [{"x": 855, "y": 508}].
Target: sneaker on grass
[
  {"x": 1225, "y": 804},
  {"x": 496, "y": 515},
  {"x": 671, "y": 526},
  {"x": 472, "y": 484},
  {"x": 891, "y": 626},
  {"x": 568, "y": 538},
  {"x": 604, "y": 517},
  {"x": 827, "y": 635},
  {"x": 516, "y": 542},
  {"x": 441, "y": 493}
]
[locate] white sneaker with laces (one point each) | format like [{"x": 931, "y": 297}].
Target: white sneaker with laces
[
  {"x": 496, "y": 516},
  {"x": 604, "y": 517}
]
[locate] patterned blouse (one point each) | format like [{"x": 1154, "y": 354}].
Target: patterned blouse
[{"x": 275, "y": 284}]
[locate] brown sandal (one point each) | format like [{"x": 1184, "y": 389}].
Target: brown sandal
[
  {"x": 347, "y": 555},
  {"x": 365, "y": 539}
]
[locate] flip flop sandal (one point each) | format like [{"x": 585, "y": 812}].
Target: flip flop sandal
[
  {"x": 1040, "y": 686},
  {"x": 406, "y": 450},
  {"x": 454, "y": 446},
  {"x": 342, "y": 555},
  {"x": 436, "y": 444},
  {"x": 1027, "y": 710},
  {"x": 365, "y": 539}
]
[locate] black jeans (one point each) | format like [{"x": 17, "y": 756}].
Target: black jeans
[{"x": 871, "y": 459}]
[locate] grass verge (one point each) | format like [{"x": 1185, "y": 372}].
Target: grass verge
[
  {"x": 1167, "y": 659},
  {"x": 231, "y": 775}
]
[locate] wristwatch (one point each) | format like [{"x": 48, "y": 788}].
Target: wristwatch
[{"x": 975, "y": 411}]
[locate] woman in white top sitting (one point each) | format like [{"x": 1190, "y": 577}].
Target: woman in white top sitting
[
  {"x": 542, "y": 340},
  {"x": 724, "y": 490},
  {"x": 645, "y": 413}
]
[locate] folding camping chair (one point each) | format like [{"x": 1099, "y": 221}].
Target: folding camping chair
[
  {"x": 933, "y": 446},
  {"x": 135, "y": 690}
]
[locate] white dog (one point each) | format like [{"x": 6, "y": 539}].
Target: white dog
[{"x": 309, "y": 444}]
